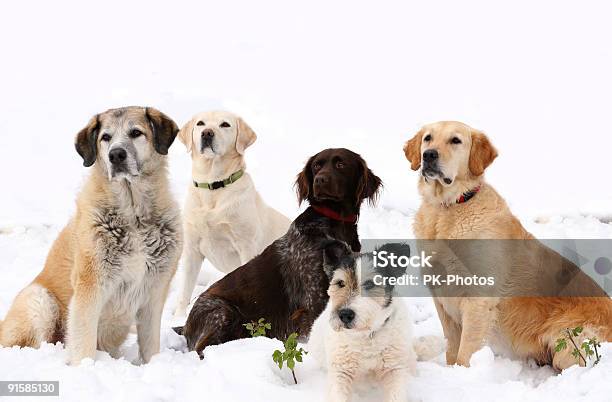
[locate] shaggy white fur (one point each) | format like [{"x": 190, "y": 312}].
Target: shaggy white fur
[{"x": 384, "y": 354}]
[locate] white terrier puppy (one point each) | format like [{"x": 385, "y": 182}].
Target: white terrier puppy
[{"x": 363, "y": 334}]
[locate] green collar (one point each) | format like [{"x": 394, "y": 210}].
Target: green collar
[{"x": 221, "y": 183}]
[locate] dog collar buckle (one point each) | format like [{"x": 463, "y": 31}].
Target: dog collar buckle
[{"x": 216, "y": 184}]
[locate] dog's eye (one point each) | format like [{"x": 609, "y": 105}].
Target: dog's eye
[
  {"x": 455, "y": 140},
  {"x": 427, "y": 138},
  {"x": 369, "y": 284},
  {"x": 317, "y": 166},
  {"x": 135, "y": 133},
  {"x": 200, "y": 123},
  {"x": 224, "y": 124},
  {"x": 340, "y": 283},
  {"x": 106, "y": 137},
  {"x": 339, "y": 165}
]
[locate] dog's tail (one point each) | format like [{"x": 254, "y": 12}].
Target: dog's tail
[
  {"x": 178, "y": 330},
  {"x": 429, "y": 347}
]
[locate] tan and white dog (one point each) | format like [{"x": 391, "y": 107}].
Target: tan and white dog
[
  {"x": 111, "y": 266},
  {"x": 459, "y": 204},
  {"x": 363, "y": 334},
  {"x": 225, "y": 218}
]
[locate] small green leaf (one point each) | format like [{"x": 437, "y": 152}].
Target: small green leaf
[{"x": 561, "y": 345}]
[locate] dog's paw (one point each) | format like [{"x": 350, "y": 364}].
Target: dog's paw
[{"x": 429, "y": 347}]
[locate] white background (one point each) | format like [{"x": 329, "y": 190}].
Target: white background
[{"x": 535, "y": 76}]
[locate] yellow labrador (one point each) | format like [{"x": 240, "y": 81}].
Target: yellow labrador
[
  {"x": 459, "y": 204},
  {"x": 225, "y": 218}
]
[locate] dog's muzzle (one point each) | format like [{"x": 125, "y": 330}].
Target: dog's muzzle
[
  {"x": 122, "y": 162},
  {"x": 347, "y": 316},
  {"x": 323, "y": 188},
  {"x": 431, "y": 169},
  {"x": 207, "y": 140},
  {"x": 117, "y": 156}
]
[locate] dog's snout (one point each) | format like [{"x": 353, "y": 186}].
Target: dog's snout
[
  {"x": 321, "y": 179},
  {"x": 208, "y": 133},
  {"x": 430, "y": 155},
  {"x": 346, "y": 315},
  {"x": 117, "y": 156}
]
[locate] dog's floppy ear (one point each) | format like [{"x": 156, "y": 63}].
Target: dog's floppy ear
[
  {"x": 369, "y": 185},
  {"x": 336, "y": 254},
  {"x": 185, "y": 135},
  {"x": 482, "y": 153},
  {"x": 303, "y": 182},
  {"x": 245, "y": 136},
  {"x": 86, "y": 141},
  {"x": 164, "y": 130},
  {"x": 412, "y": 150}
]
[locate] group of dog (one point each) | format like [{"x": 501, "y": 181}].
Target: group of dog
[{"x": 112, "y": 265}]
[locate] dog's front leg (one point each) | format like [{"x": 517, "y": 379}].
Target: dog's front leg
[
  {"x": 478, "y": 315},
  {"x": 192, "y": 263},
  {"x": 394, "y": 383},
  {"x": 83, "y": 316},
  {"x": 340, "y": 386},
  {"x": 452, "y": 332},
  {"x": 148, "y": 319}
]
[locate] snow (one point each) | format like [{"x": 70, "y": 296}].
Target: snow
[
  {"x": 244, "y": 370},
  {"x": 533, "y": 75}
]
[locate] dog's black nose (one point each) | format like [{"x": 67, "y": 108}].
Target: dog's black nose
[
  {"x": 346, "y": 315},
  {"x": 208, "y": 133},
  {"x": 117, "y": 156},
  {"x": 430, "y": 155}
]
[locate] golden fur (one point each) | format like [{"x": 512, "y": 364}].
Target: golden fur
[{"x": 529, "y": 326}]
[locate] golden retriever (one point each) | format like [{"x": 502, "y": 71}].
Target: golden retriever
[{"x": 459, "y": 204}]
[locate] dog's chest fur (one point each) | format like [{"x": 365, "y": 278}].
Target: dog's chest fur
[
  {"x": 221, "y": 220},
  {"x": 133, "y": 251},
  {"x": 303, "y": 271},
  {"x": 366, "y": 354}
]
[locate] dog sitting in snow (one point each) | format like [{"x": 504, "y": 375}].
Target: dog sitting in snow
[
  {"x": 458, "y": 204},
  {"x": 111, "y": 266},
  {"x": 225, "y": 218},
  {"x": 362, "y": 333}
]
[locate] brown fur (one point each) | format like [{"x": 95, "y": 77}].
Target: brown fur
[{"x": 530, "y": 325}]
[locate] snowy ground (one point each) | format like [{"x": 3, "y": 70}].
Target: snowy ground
[
  {"x": 243, "y": 370},
  {"x": 534, "y": 75}
]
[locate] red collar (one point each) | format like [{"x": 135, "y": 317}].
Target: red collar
[
  {"x": 465, "y": 197},
  {"x": 331, "y": 214}
]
